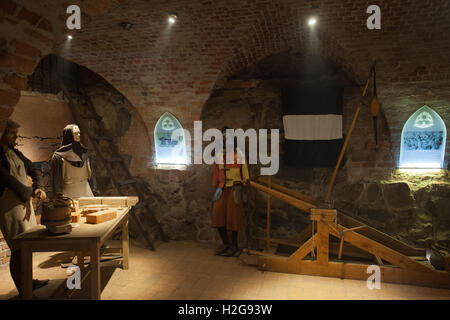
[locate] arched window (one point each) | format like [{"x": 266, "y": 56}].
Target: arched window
[
  {"x": 423, "y": 140},
  {"x": 170, "y": 140}
]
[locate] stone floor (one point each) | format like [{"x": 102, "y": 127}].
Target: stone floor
[{"x": 180, "y": 270}]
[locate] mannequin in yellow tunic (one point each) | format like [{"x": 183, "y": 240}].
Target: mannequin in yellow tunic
[
  {"x": 228, "y": 210},
  {"x": 71, "y": 172}
]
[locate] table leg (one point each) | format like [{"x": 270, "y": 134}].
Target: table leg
[
  {"x": 27, "y": 272},
  {"x": 125, "y": 245},
  {"x": 80, "y": 260},
  {"x": 95, "y": 271}
]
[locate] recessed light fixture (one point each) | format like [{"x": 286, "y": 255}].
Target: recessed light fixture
[
  {"x": 126, "y": 25},
  {"x": 69, "y": 37},
  {"x": 312, "y": 21},
  {"x": 172, "y": 18}
]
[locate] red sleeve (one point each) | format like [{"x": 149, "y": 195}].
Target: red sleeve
[{"x": 216, "y": 175}]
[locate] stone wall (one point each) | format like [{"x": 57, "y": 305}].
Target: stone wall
[
  {"x": 122, "y": 123},
  {"x": 368, "y": 185},
  {"x": 409, "y": 206},
  {"x": 183, "y": 68}
]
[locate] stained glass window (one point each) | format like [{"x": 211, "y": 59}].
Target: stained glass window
[
  {"x": 423, "y": 140},
  {"x": 169, "y": 141}
]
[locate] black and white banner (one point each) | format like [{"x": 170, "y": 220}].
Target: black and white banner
[{"x": 312, "y": 120}]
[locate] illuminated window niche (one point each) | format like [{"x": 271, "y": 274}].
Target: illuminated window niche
[
  {"x": 423, "y": 141},
  {"x": 170, "y": 141}
]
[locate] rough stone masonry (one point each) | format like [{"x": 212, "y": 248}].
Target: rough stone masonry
[{"x": 215, "y": 64}]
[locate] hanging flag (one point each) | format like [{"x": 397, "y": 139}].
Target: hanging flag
[{"x": 312, "y": 120}]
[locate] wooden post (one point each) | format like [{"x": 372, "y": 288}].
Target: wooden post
[
  {"x": 125, "y": 245},
  {"x": 341, "y": 247},
  {"x": 95, "y": 271},
  {"x": 80, "y": 260},
  {"x": 330, "y": 187},
  {"x": 26, "y": 272},
  {"x": 323, "y": 235},
  {"x": 268, "y": 216},
  {"x": 322, "y": 238}
]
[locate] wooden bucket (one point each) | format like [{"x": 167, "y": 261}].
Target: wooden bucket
[{"x": 57, "y": 212}]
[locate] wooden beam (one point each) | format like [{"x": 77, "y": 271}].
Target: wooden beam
[
  {"x": 380, "y": 237},
  {"x": 306, "y": 248},
  {"x": 288, "y": 191},
  {"x": 286, "y": 242},
  {"x": 380, "y": 250},
  {"x": 110, "y": 250},
  {"x": 348, "y": 250},
  {"x": 95, "y": 285},
  {"x": 379, "y": 261},
  {"x": 355, "y": 228},
  {"x": 437, "y": 279},
  {"x": 26, "y": 271},
  {"x": 323, "y": 240},
  {"x": 260, "y": 253},
  {"x": 338, "y": 164},
  {"x": 347, "y": 138},
  {"x": 125, "y": 246},
  {"x": 418, "y": 258},
  {"x": 84, "y": 275},
  {"x": 341, "y": 247},
  {"x": 300, "y": 204},
  {"x": 80, "y": 260}
]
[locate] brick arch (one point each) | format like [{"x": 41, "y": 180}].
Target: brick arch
[
  {"x": 280, "y": 29},
  {"x": 136, "y": 136},
  {"x": 27, "y": 34},
  {"x": 18, "y": 60}
]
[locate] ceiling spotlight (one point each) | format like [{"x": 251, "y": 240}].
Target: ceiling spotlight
[
  {"x": 70, "y": 37},
  {"x": 172, "y": 18},
  {"x": 312, "y": 21},
  {"x": 126, "y": 25}
]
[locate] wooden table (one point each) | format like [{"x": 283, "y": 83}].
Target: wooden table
[{"x": 86, "y": 240}]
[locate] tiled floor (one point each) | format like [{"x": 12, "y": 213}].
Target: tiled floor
[{"x": 188, "y": 270}]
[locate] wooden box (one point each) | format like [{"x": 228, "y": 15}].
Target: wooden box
[
  {"x": 76, "y": 217},
  {"x": 101, "y": 216}
]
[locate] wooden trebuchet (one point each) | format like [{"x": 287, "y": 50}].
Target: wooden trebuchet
[{"x": 407, "y": 266}]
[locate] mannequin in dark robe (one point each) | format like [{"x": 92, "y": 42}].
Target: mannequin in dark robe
[
  {"x": 71, "y": 172},
  {"x": 16, "y": 209}
]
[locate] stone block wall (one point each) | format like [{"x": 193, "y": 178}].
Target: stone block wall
[{"x": 182, "y": 70}]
